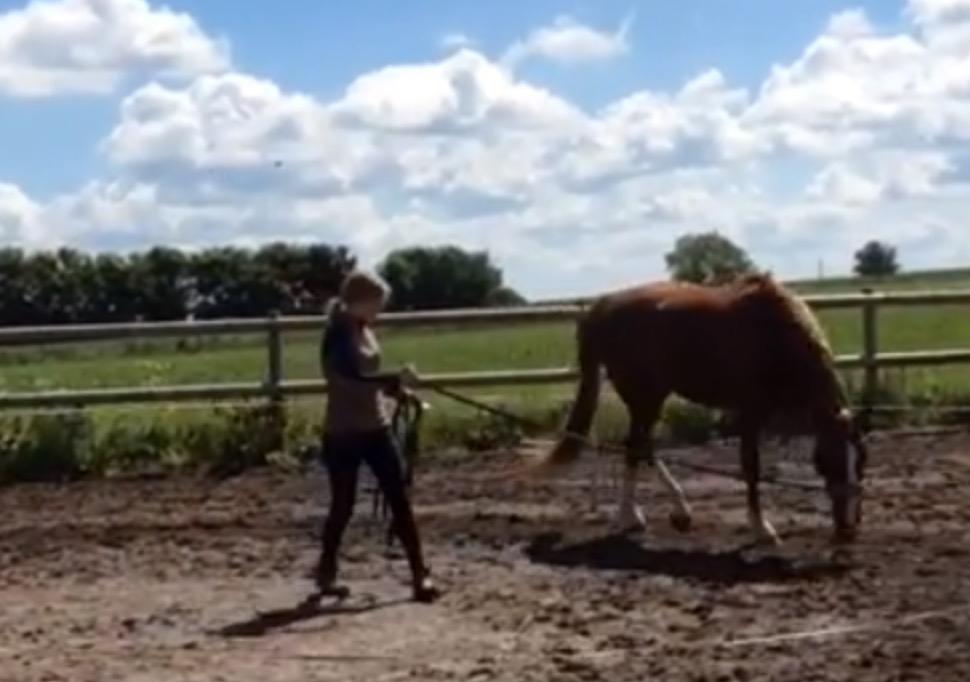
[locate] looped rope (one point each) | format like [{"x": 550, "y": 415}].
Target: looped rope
[{"x": 405, "y": 427}]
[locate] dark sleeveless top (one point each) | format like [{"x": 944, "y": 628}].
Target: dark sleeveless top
[{"x": 350, "y": 358}]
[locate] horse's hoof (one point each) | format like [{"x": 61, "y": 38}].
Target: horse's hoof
[
  {"x": 680, "y": 521},
  {"x": 768, "y": 539},
  {"x": 630, "y": 522}
]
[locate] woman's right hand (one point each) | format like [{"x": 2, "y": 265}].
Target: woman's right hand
[{"x": 409, "y": 377}]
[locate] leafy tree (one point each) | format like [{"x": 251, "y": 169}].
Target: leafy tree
[
  {"x": 424, "y": 278},
  {"x": 876, "y": 259},
  {"x": 161, "y": 283},
  {"x": 111, "y": 290},
  {"x": 228, "y": 282},
  {"x": 326, "y": 268},
  {"x": 707, "y": 258},
  {"x": 51, "y": 282},
  {"x": 15, "y": 305},
  {"x": 308, "y": 275}
]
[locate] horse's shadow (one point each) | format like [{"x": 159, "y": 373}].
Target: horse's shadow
[
  {"x": 267, "y": 621},
  {"x": 730, "y": 567}
]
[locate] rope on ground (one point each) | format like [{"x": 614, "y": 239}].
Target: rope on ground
[
  {"x": 878, "y": 625},
  {"x": 850, "y": 629}
]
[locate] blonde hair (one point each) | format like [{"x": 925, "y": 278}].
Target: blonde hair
[{"x": 360, "y": 286}]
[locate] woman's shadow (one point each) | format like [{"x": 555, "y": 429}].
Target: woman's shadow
[
  {"x": 729, "y": 567},
  {"x": 310, "y": 608}
]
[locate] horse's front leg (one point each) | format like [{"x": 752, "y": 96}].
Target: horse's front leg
[
  {"x": 680, "y": 518},
  {"x": 751, "y": 466}
]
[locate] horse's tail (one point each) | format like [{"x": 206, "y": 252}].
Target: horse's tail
[{"x": 580, "y": 420}]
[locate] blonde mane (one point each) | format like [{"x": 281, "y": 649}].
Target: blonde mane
[{"x": 792, "y": 307}]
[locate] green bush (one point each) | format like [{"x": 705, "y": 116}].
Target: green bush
[
  {"x": 44, "y": 447},
  {"x": 684, "y": 422},
  {"x": 127, "y": 446},
  {"x": 57, "y": 447},
  {"x": 237, "y": 439}
]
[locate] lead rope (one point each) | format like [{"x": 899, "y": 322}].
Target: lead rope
[{"x": 605, "y": 447}]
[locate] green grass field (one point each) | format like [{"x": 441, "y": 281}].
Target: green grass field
[{"x": 545, "y": 345}]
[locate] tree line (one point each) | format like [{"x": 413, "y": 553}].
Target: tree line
[{"x": 67, "y": 286}]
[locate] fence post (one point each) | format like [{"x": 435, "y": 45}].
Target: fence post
[
  {"x": 274, "y": 379},
  {"x": 870, "y": 349},
  {"x": 274, "y": 348}
]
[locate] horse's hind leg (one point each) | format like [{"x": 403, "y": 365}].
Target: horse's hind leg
[
  {"x": 751, "y": 465},
  {"x": 639, "y": 447},
  {"x": 629, "y": 515}
]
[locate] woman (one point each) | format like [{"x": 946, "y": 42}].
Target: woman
[{"x": 357, "y": 427}]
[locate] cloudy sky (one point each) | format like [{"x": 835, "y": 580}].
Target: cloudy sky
[{"x": 574, "y": 140}]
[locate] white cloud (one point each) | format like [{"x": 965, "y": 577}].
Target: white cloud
[
  {"x": 881, "y": 176},
  {"x": 865, "y": 133},
  {"x": 853, "y": 88},
  {"x": 461, "y": 92},
  {"x": 19, "y": 218},
  {"x": 569, "y": 42},
  {"x": 58, "y": 47},
  {"x": 936, "y": 12},
  {"x": 217, "y": 121},
  {"x": 837, "y": 183}
]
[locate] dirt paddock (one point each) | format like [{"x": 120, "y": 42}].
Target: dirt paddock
[{"x": 186, "y": 579}]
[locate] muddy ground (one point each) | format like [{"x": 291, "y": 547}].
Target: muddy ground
[{"x": 187, "y": 579}]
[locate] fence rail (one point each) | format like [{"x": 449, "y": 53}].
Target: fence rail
[{"x": 275, "y": 387}]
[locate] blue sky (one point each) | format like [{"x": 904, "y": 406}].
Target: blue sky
[{"x": 574, "y": 140}]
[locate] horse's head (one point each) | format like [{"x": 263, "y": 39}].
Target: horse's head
[{"x": 840, "y": 458}]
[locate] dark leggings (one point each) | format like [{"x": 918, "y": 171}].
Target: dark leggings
[{"x": 342, "y": 456}]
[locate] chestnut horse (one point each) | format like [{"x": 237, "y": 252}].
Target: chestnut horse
[{"x": 750, "y": 347}]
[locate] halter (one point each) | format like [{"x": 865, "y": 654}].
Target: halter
[{"x": 409, "y": 409}]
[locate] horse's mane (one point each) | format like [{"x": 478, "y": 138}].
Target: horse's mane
[{"x": 773, "y": 300}]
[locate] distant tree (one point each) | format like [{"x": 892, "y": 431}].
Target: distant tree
[
  {"x": 15, "y": 306},
  {"x": 425, "y": 278},
  {"x": 707, "y": 258},
  {"x": 111, "y": 292},
  {"x": 876, "y": 259},
  {"x": 326, "y": 268},
  {"x": 52, "y": 286},
  {"x": 309, "y": 275},
  {"x": 229, "y": 282},
  {"x": 162, "y": 283}
]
